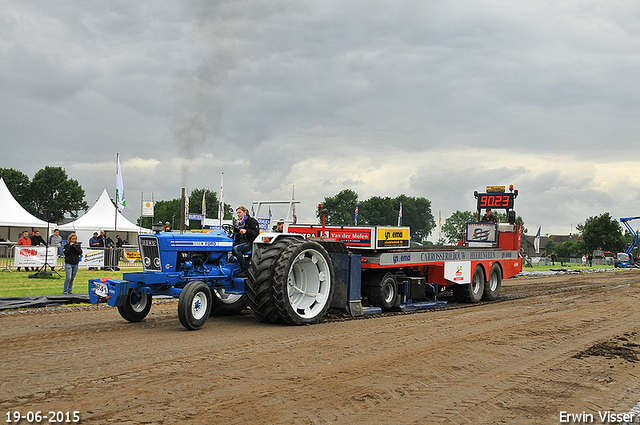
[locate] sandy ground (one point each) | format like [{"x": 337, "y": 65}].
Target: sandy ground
[{"x": 568, "y": 343}]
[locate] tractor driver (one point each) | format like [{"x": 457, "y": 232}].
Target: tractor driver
[
  {"x": 247, "y": 229},
  {"x": 488, "y": 216}
]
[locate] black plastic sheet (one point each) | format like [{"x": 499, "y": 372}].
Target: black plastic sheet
[{"x": 7, "y": 303}]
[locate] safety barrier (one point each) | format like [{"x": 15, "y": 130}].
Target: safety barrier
[{"x": 13, "y": 256}]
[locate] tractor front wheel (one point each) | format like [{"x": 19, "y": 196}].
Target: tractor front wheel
[{"x": 194, "y": 305}]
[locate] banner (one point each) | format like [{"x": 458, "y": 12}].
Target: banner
[
  {"x": 92, "y": 258},
  {"x": 147, "y": 208},
  {"x": 34, "y": 256},
  {"x": 132, "y": 256}
]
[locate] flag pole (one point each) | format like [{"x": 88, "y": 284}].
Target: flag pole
[
  {"x": 115, "y": 224},
  {"x": 221, "y": 202}
]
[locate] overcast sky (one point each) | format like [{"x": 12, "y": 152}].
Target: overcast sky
[{"x": 424, "y": 98}]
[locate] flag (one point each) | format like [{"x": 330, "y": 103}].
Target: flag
[
  {"x": 204, "y": 205},
  {"x": 186, "y": 208},
  {"x": 400, "y": 216},
  {"x": 293, "y": 206},
  {"x": 120, "y": 201},
  {"x": 536, "y": 241},
  {"x": 356, "y": 218},
  {"x": 221, "y": 205},
  {"x": 253, "y": 213}
]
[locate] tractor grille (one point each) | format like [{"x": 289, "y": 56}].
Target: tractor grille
[{"x": 150, "y": 253}]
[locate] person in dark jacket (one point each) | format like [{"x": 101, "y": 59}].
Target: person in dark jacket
[
  {"x": 247, "y": 230},
  {"x": 37, "y": 240},
  {"x": 72, "y": 254}
]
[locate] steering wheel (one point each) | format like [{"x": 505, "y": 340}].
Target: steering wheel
[{"x": 229, "y": 230}]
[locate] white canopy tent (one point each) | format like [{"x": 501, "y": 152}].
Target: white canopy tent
[
  {"x": 14, "y": 219},
  {"x": 102, "y": 216}
]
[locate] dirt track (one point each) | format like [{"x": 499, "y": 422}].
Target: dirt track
[{"x": 565, "y": 343}]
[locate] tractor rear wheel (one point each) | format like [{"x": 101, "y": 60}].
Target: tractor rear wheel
[
  {"x": 259, "y": 282},
  {"x": 303, "y": 283},
  {"x": 194, "y": 305},
  {"x": 136, "y": 306}
]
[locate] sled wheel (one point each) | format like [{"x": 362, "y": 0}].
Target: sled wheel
[
  {"x": 194, "y": 305},
  {"x": 259, "y": 282},
  {"x": 471, "y": 292},
  {"x": 136, "y": 306},
  {"x": 303, "y": 283},
  {"x": 384, "y": 296},
  {"x": 227, "y": 304},
  {"x": 493, "y": 285}
]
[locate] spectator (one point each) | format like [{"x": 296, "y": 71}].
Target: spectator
[
  {"x": 119, "y": 245},
  {"x": 24, "y": 240},
  {"x": 103, "y": 239},
  {"x": 72, "y": 253},
  {"x": 36, "y": 239},
  {"x": 95, "y": 241},
  {"x": 55, "y": 241},
  {"x": 247, "y": 229}
]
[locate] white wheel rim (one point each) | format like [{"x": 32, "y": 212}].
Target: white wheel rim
[
  {"x": 141, "y": 304},
  {"x": 389, "y": 294},
  {"x": 226, "y": 298},
  {"x": 309, "y": 284},
  {"x": 199, "y": 306},
  {"x": 493, "y": 281},
  {"x": 477, "y": 283}
]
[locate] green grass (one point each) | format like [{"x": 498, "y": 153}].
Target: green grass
[
  {"x": 19, "y": 284},
  {"x": 548, "y": 267}
]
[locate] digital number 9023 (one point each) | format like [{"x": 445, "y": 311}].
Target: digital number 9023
[{"x": 495, "y": 201}]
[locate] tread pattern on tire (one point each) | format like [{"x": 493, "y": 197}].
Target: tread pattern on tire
[{"x": 260, "y": 281}]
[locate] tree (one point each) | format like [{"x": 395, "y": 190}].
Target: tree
[
  {"x": 455, "y": 227},
  {"x": 379, "y": 211},
  {"x": 18, "y": 184},
  {"x": 416, "y": 213},
  {"x": 52, "y": 189},
  {"x": 341, "y": 208},
  {"x": 602, "y": 232}
]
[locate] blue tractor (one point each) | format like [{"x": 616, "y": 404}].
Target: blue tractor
[
  {"x": 290, "y": 279},
  {"x": 625, "y": 259}
]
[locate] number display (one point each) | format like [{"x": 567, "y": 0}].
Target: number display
[{"x": 490, "y": 200}]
